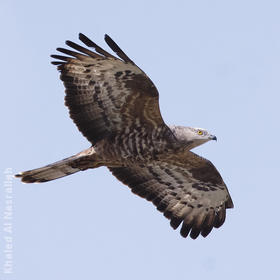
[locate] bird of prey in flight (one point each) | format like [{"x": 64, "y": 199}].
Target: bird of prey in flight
[{"x": 116, "y": 107}]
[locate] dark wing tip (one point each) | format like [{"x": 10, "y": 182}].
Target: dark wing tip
[
  {"x": 82, "y": 53},
  {"x": 220, "y": 218},
  {"x": 175, "y": 222},
  {"x": 185, "y": 229},
  {"x": 113, "y": 45},
  {"x": 84, "y": 38},
  {"x": 107, "y": 37},
  {"x": 229, "y": 203},
  {"x": 195, "y": 233},
  {"x": 91, "y": 44},
  {"x": 81, "y": 35},
  {"x": 87, "y": 41},
  {"x": 202, "y": 224}
]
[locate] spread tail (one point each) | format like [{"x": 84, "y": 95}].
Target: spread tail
[{"x": 81, "y": 161}]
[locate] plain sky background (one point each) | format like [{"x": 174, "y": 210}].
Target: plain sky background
[{"x": 216, "y": 65}]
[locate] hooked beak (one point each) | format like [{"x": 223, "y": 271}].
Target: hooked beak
[{"x": 213, "y": 137}]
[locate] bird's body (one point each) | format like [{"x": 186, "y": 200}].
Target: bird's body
[{"x": 115, "y": 105}]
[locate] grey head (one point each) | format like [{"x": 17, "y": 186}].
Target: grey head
[{"x": 191, "y": 137}]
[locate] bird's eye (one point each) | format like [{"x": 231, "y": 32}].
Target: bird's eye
[{"x": 199, "y": 132}]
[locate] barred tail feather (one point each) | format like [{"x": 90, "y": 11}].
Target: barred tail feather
[
  {"x": 59, "y": 169},
  {"x": 47, "y": 173}
]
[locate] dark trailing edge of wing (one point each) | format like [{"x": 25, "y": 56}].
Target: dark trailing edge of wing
[{"x": 100, "y": 53}]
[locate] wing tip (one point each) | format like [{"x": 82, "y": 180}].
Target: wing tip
[
  {"x": 107, "y": 37},
  {"x": 99, "y": 52},
  {"x": 229, "y": 203},
  {"x": 83, "y": 37},
  {"x": 114, "y": 46}
]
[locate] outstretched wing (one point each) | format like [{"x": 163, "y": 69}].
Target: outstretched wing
[
  {"x": 185, "y": 187},
  {"x": 105, "y": 94}
]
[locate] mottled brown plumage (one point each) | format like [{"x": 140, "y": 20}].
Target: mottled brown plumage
[{"x": 115, "y": 106}]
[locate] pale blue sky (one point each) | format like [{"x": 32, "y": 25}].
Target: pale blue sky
[{"x": 216, "y": 65}]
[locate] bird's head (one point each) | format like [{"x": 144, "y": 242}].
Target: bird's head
[{"x": 192, "y": 136}]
